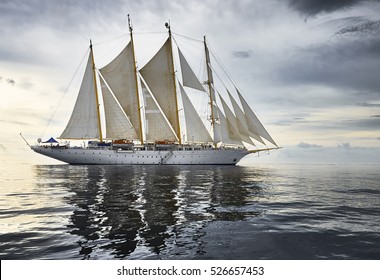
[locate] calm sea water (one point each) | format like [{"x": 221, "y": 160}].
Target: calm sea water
[{"x": 190, "y": 212}]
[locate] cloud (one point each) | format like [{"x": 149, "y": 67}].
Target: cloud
[
  {"x": 344, "y": 64},
  {"x": 14, "y": 122},
  {"x": 20, "y": 12},
  {"x": 372, "y": 123},
  {"x": 346, "y": 146},
  {"x": 366, "y": 27},
  {"x": 330, "y": 155},
  {"x": 26, "y": 83},
  {"x": 11, "y": 82},
  {"x": 307, "y": 145},
  {"x": 242, "y": 54},
  {"x": 314, "y": 7},
  {"x": 375, "y": 116},
  {"x": 365, "y": 104}
]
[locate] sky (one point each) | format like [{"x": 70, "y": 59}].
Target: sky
[{"x": 310, "y": 69}]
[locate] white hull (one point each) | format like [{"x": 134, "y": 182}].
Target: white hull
[{"x": 143, "y": 157}]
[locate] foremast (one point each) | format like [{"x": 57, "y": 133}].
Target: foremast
[
  {"x": 174, "y": 82},
  {"x": 210, "y": 82},
  {"x": 96, "y": 93},
  {"x": 135, "y": 78}
]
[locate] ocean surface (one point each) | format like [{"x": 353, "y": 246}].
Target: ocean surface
[{"x": 190, "y": 212}]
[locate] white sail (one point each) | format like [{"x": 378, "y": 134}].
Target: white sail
[
  {"x": 209, "y": 73},
  {"x": 223, "y": 130},
  {"x": 217, "y": 126},
  {"x": 157, "y": 126},
  {"x": 217, "y": 130},
  {"x": 232, "y": 123},
  {"x": 118, "y": 126},
  {"x": 242, "y": 121},
  {"x": 195, "y": 128},
  {"x": 83, "y": 123},
  {"x": 188, "y": 77},
  {"x": 121, "y": 78},
  {"x": 253, "y": 122},
  {"x": 158, "y": 75}
]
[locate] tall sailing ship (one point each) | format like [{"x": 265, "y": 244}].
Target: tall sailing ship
[{"x": 142, "y": 110}]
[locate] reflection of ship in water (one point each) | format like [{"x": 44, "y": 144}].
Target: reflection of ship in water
[{"x": 153, "y": 211}]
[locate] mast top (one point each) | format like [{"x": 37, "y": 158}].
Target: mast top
[
  {"x": 130, "y": 24},
  {"x": 167, "y": 25}
]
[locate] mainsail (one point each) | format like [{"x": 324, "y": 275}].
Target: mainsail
[
  {"x": 157, "y": 126},
  {"x": 120, "y": 76},
  {"x": 195, "y": 128},
  {"x": 217, "y": 130},
  {"x": 159, "y": 76},
  {"x": 118, "y": 125},
  {"x": 83, "y": 123}
]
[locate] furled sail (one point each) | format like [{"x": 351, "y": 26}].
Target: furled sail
[
  {"x": 157, "y": 126},
  {"x": 121, "y": 78},
  {"x": 83, "y": 123},
  {"x": 195, "y": 128},
  {"x": 242, "y": 121},
  {"x": 158, "y": 75},
  {"x": 253, "y": 122},
  {"x": 118, "y": 126},
  {"x": 188, "y": 77}
]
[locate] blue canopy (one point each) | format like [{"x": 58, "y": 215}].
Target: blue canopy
[{"x": 51, "y": 140}]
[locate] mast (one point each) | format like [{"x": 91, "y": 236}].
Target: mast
[
  {"x": 96, "y": 93},
  {"x": 209, "y": 83},
  {"x": 137, "y": 89},
  {"x": 167, "y": 25}
]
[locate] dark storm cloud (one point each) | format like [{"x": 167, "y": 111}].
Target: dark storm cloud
[
  {"x": 314, "y": 7},
  {"x": 345, "y": 64},
  {"x": 366, "y": 27},
  {"x": 354, "y": 25}
]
